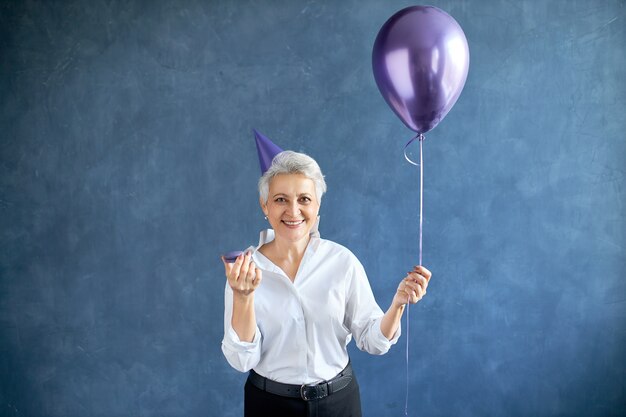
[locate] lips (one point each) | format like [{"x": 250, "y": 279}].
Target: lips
[{"x": 293, "y": 223}]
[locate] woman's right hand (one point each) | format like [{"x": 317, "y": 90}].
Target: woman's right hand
[{"x": 243, "y": 275}]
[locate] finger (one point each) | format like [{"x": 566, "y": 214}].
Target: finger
[
  {"x": 422, "y": 281},
  {"x": 258, "y": 277},
  {"x": 412, "y": 285},
  {"x": 235, "y": 270},
  {"x": 245, "y": 266},
  {"x": 227, "y": 270},
  {"x": 404, "y": 296},
  {"x": 251, "y": 272},
  {"x": 423, "y": 271},
  {"x": 419, "y": 279},
  {"x": 420, "y": 293},
  {"x": 418, "y": 272},
  {"x": 416, "y": 296},
  {"x": 227, "y": 266}
]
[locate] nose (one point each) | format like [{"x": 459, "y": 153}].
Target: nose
[{"x": 293, "y": 209}]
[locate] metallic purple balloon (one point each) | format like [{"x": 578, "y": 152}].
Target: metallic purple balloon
[{"x": 420, "y": 60}]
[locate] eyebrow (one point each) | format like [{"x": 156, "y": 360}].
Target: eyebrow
[{"x": 299, "y": 195}]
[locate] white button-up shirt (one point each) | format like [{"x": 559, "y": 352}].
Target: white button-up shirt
[{"x": 304, "y": 326}]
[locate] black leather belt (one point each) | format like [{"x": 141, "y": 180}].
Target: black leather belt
[{"x": 306, "y": 392}]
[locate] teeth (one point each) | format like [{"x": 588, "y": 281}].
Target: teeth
[{"x": 292, "y": 223}]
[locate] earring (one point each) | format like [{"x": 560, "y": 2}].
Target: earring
[{"x": 265, "y": 217}]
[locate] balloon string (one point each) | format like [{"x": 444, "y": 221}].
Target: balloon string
[
  {"x": 408, "y": 321},
  {"x": 421, "y": 196},
  {"x": 421, "y": 138},
  {"x": 406, "y": 399}
]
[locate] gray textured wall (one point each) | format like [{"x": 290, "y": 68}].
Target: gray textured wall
[{"x": 127, "y": 165}]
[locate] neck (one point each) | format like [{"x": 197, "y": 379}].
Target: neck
[{"x": 292, "y": 251}]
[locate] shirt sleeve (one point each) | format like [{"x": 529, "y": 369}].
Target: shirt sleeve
[
  {"x": 242, "y": 356},
  {"x": 363, "y": 315}
]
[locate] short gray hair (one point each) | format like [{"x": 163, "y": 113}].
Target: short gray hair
[{"x": 290, "y": 162}]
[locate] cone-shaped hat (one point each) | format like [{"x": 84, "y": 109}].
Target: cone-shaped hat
[{"x": 267, "y": 150}]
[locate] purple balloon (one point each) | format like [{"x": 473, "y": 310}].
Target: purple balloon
[{"x": 420, "y": 60}]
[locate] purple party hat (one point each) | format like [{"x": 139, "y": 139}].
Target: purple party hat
[{"x": 266, "y": 149}]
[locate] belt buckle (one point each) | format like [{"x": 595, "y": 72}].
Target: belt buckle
[
  {"x": 318, "y": 395},
  {"x": 303, "y": 393}
]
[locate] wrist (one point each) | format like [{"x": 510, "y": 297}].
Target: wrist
[
  {"x": 398, "y": 306},
  {"x": 243, "y": 299}
]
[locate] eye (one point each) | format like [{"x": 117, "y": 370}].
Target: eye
[
  {"x": 305, "y": 199},
  {"x": 280, "y": 200}
]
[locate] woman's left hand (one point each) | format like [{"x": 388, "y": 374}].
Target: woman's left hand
[{"x": 413, "y": 287}]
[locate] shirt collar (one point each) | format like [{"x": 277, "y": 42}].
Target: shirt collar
[{"x": 268, "y": 235}]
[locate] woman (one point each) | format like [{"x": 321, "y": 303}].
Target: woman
[{"x": 293, "y": 303}]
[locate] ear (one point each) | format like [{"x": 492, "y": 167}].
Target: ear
[{"x": 263, "y": 206}]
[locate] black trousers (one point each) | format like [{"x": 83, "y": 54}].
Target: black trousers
[{"x": 343, "y": 403}]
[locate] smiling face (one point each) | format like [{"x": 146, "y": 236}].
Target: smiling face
[{"x": 292, "y": 206}]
